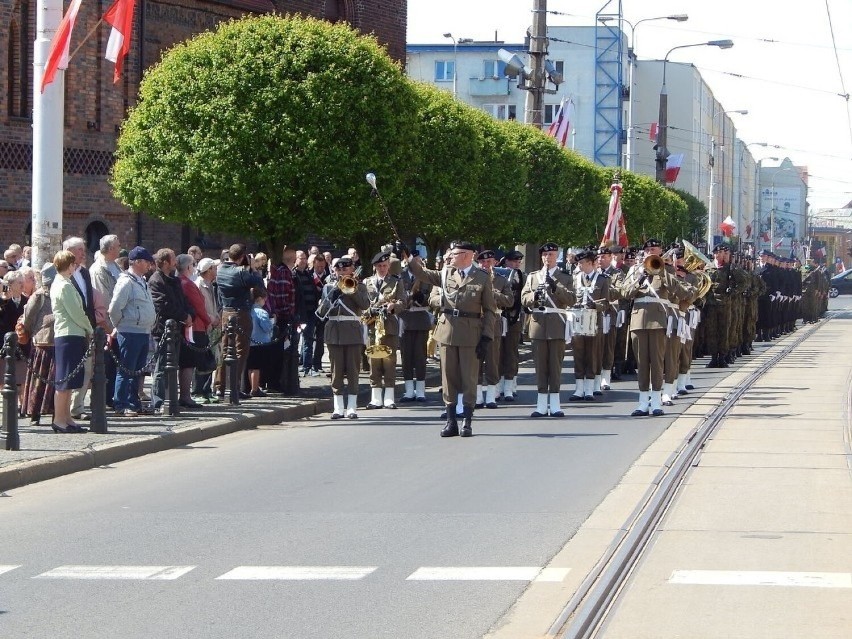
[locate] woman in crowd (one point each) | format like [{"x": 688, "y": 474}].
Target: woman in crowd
[
  {"x": 189, "y": 354},
  {"x": 11, "y": 310},
  {"x": 209, "y": 361},
  {"x": 38, "y": 323},
  {"x": 72, "y": 331}
]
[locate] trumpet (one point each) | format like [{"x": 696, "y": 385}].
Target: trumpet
[
  {"x": 347, "y": 284},
  {"x": 653, "y": 264}
]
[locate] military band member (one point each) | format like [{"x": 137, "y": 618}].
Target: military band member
[
  {"x": 387, "y": 298},
  {"x": 344, "y": 334},
  {"x": 417, "y": 322},
  {"x": 503, "y": 299},
  {"x": 648, "y": 324},
  {"x": 677, "y": 337},
  {"x": 464, "y": 329},
  {"x": 592, "y": 290},
  {"x": 717, "y": 308},
  {"x": 624, "y": 361},
  {"x": 514, "y": 319},
  {"x": 548, "y": 292},
  {"x": 607, "y": 266}
]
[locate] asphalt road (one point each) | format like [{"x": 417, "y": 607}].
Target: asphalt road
[{"x": 342, "y": 528}]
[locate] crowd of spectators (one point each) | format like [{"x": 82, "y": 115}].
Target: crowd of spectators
[{"x": 131, "y": 295}]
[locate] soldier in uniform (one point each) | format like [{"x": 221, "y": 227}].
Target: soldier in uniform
[
  {"x": 417, "y": 322},
  {"x": 768, "y": 274},
  {"x": 676, "y": 338},
  {"x": 739, "y": 290},
  {"x": 503, "y": 299},
  {"x": 514, "y": 320},
  {"x": 606, "y": 265},
  {"x": 623, "y": 349},
  {"x": 387, "y": 297},
  {"x": 717, "y": 308},
  {"x": 464, "y": 329},
  {"x": 548, "y": 292},
  {"x": 344, "y": 335},
  {"x": 591, "y": 288},
  {"x": 649, "y": 320}
]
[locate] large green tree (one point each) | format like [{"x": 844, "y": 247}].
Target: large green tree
[{"x": 266, "y": 128}]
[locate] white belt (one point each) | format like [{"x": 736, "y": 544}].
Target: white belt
[
  {"x": 344, "y": 318},
  {"x": 549, "y": 309},
  {"x": 647, "y": 299},
  {"x": 417, "y": 308}
]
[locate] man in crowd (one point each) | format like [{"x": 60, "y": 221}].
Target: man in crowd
[
  {"x": 282, "y": 304},
  {"x": 104, "y": 273}
]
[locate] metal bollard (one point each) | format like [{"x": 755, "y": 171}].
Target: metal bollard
[
  {"x": 232, "y": 363},
  {"x": 172, "y": 368},
  {"x": 98, "y": 419},
  {"x": 10, "y": 395}
]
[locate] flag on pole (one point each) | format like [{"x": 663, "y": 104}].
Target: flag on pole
[
  {"x": 728, "y": 226},
  {"x": 562, "y": 124},
  {"x": 673, "y": 167},
  {"x": 615, "y": 233},
  {"x": 654, "y": 132},
  {"x": 120, "y": 16},
  {"x": 57, "y": 58}
]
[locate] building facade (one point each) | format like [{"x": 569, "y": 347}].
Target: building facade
[
  {"x": 95, "y": 106},
  {"x": 783, "y": 220}
]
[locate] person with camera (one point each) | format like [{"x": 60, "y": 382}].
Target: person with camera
[
  {"x": 235, "y": 279},
  {"x": 464, "y": 330},
  {"x": 548, "y": 292}
]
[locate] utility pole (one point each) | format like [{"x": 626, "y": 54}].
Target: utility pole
[
  {"x": 48, "y": 140},
  {"x": 534, "y": 107}
]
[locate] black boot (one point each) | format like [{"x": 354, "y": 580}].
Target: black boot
[
  {"x": 467, "y": 428},
  {"x": 451, "y": 428},
  {"x": 616, "y": 371},
  {"x": 722, "y": 359},
  {"x": 713, "y": 363}
]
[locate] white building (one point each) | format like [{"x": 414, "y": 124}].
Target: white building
[{"x": 594, "y": 64}]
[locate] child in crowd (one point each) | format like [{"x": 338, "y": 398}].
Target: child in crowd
[{"x": 261, "y": 337}]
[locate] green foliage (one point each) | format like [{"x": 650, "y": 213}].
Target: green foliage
[
  {"x": 693, "y": 220},
  {"x": 266, "y": 128}
]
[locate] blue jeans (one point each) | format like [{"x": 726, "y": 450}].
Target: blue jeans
[
  {"x": 132, "y": 353},
  {"x": 306, "y": 352}
]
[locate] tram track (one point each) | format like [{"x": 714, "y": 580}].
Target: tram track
[{"x": 584, "y": 614}]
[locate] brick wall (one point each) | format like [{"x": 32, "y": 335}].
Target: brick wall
[{"x": 95, "y": 106}]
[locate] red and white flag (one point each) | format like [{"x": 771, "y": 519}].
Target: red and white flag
[
  {"x": 57, "y": 58},
  {"x": 728, "y": 226},
  {"x": 654, "y": 131},
  {"x": 673, "y": 167},
  {"x": 120, "y": 16},
  {"x": 615, "y": 233},
  {"x": 562, "y": 124}
]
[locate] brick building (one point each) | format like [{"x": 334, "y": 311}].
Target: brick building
[{"x": 95, "y": 107}]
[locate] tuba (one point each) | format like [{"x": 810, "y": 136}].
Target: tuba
[{"x": 694, "y": 261}]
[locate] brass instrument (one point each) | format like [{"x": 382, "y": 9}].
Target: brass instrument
[
  {"x": 347, "y": 284},
  {"x": 653, "y": 265},
  {"x": 377, "y": 350},
  {"x": 694, "y": 261}
]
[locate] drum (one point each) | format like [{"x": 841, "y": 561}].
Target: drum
[{"x": 585, "y": 322}]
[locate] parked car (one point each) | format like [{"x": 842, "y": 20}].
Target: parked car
[{"x": 841, "y": 284}]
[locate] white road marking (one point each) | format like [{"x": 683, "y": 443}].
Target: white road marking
[
  {"x": 488, "y": 573},
  {"x": 7, "y": 568},
  {"x": 299, "y": 573},
  {"x": 116, "y": 572},
  {"x": 762, "y": 578}
]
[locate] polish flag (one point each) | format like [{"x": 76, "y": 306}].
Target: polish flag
[
  {"x": 728, "y": 226},
  {"x": 654, "y": 132},
  {"x": 562, "y": 124},
  {"x": 57, "y": 58},
  {"x": 120, "y": 16},
  {"x": 615, "y": 233},
  {"x": 673, "y": 167}
]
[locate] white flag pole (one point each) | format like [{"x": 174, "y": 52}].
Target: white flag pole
[{"x": 48, "y": 140}]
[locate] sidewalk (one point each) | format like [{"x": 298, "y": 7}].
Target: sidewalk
[{"x": 758, "y": 542}]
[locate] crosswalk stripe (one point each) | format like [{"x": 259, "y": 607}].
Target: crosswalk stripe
[
  {"x": 116, "y": 572},
  {"x": 7, "y": 568},
  {"x": 299, "y": 573},
  {"x": 488, "y": 573},
  {"x": 762, "y": 578}
]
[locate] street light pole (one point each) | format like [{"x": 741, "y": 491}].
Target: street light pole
[
  {"x": 455, "y": 63},
  {"x": 712, "y": 191},
  {"x": 662, "y": 135}
]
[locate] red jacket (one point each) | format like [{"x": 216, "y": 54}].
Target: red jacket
[{"x": 200, "y": 321}]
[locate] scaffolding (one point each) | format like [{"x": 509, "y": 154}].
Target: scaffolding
[{"x": 609, "y": 88}]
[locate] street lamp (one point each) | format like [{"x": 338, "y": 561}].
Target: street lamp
[
  {"x": 455, "y": 63},
  {"x": 710, "y": 197},
  {"x": 662, "y": 151},
  {"x": 631, "y": 62}
]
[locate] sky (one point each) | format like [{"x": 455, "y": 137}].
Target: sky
[{"x": 783, "y": 67}]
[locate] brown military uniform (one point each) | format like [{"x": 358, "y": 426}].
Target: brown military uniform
[
  {"x": 344, "y": 335},
  {"x": 381, "y": 292}
]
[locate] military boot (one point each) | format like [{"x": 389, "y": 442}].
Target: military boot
[
  {"x": 467, "y": 426},
  {"x": 451, "y": 428}
]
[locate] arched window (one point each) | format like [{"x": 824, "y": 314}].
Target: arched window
[
  {"x": 94, "y": 232},
  {"x": 339, "y": 10}
]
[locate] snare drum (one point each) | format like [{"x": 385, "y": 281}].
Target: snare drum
[{"x": 585, "y": 322}]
